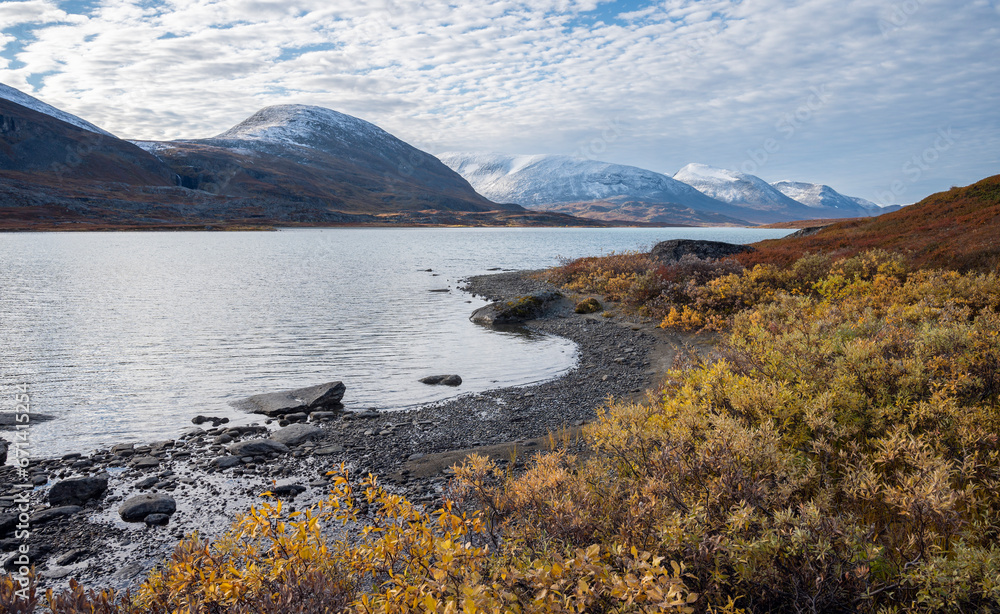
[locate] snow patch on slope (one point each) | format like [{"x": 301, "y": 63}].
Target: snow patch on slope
[{"x": 19, "y": 97}]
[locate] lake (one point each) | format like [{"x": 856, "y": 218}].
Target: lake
[{"x": 126, "y": 336}]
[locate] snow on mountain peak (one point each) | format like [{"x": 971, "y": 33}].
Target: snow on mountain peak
[
  {"x": 298, "y": 124},
  {"x": 19, "y": 97}
]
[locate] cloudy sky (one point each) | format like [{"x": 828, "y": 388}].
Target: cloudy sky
[{"x": 885, "y": 100}]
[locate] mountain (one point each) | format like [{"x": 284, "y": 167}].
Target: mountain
[
  {"x": 821, "y": 196},
  {"x": 588, "y": 188},
  {"x": 956, "y": 229},
  {"x": 308, "y": 154},
  {"x": 740, "y": 189},
  {"x": 30, "y": 102},
  {"x": 41, "y": 148}
]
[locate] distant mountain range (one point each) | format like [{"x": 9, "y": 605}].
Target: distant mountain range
[
  {"x": 297, "y": 164},
  {"x": 697, "y": 194}
]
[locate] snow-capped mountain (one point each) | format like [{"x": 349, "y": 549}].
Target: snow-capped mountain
[
  {"x": 539, "y": 180},
  {"x": 823, "y": 196},
  {"x": 740, "y": 189},
  {"x": 317, "y": 155},
  {"x": 19, "y": 97}
]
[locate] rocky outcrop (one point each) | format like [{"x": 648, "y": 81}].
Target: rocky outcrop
[
  {"x": 675, "y": 249},
  {"x": 276, "y": 404},
  {"x": 139, "y": 507},
  {"x": 78, "y": 491},
  {"x": 520, "y": 309}
]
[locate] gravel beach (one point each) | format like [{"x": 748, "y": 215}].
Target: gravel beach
[{"x": 86, "y": 538}]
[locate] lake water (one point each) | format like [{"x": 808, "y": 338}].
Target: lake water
[{"x": 127, "y": 336}]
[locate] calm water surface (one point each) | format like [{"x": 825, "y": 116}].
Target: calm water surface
[{"x": 127, "y": 336}]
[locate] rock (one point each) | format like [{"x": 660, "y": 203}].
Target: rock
[
  {"x": 320, "y": 416},
  {"x": 275, "y": 404},
  {"x": 43, "y": 516},
  {"x": 77, "y": 554},
  {"x": 225, "y": 462},
  {"x": 327, "y": 450},
  {"x": 3, "y": 450},
  {"x": 145, "y": 462},
  {"x": 147, "y": 483},
  {"x": 415, "y": 456},
  {"x": 295, "y": 434},
  {"x": 808, "y": 231},
  {"x": 297, "y": 417},
  {"x": 156, "y": 520},
  {"x": 7, "y": 524},
  {"x": 675, "y": 249},
  {"x": 522, "y": 308},
  {"x": 368, "y": 414},
  {"x": 193, "y": 432},
  {"x": 288, "y": 490},
  {"x": 8, "y": 419},
  {"x": 123, "y": 449},
  {"x": 223, "y": 439},
  {"x": 78, "y": 491},
  {"x": 446, "y": 380},
  {"x": 257, "y": 447},
  {"x": 138, "y": 507},
  {"x": 590, "y": 305}
]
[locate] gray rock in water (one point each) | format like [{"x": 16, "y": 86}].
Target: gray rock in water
[
  {"x": 257, "y": 447},
  {"x": 446, "y": 380},
  {"x": 675, "y": 249},
  {"x": 138, "y": 507},
  {"x": 276, "y": 404},
  {"x": 78, "y": 491},
  {"x": 518, "y": 310},
  {"x": 3, "y": 450},
  {"x": 8, "y": 420},
  {"x": 43, "y": 516},
  {"x": 294, "y": 434}
]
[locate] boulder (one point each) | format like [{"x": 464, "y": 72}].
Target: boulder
[
  {"x": 138, "y": 507},
  {"x": 78, "y": 491},
  {"x": 675, "y": 249},
  {"x": 327, "y": 450},
  {"x": 520, "y": 309},
  {"x": 294, "y": 434},
  {"x": 257, "y": 447},
  {"x": 3, "y": 450},
  {"x": 277, "y": 404},
  {"x": 156, "y": 520},
  {"x": 445, "y": 380}
]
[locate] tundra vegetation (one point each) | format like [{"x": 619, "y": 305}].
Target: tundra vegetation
[{"x": 840, "y": 454}]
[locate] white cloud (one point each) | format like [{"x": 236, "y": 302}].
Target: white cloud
[{"x": 689, "y": 81}]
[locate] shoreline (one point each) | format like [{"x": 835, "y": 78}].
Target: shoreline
[{"x": 409, "y": 450}]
